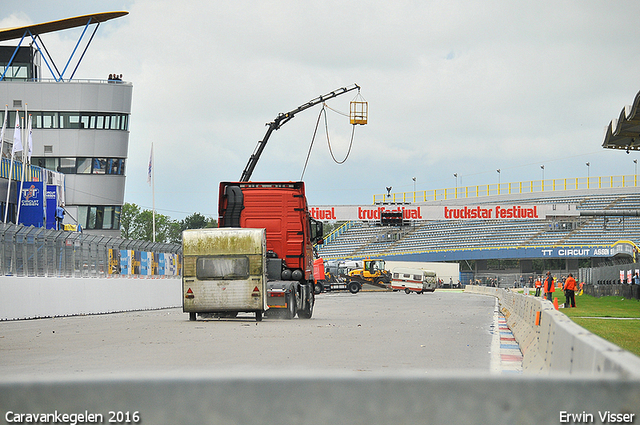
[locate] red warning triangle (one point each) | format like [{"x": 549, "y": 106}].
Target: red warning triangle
[{"x": 189, "y": 291}]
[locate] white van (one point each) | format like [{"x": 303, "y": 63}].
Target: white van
[{"x": 413, "y": 280}]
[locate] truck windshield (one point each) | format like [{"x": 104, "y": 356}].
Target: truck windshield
[{"x": 222, "y": 268}]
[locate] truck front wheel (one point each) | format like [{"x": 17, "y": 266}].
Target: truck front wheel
[
  {"x": 192, "y": 317},
  {"x": 354, "y": 287}
]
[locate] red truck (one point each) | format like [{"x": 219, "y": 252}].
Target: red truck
[{"x": 280, "y": 208}]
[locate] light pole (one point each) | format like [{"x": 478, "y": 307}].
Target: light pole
[
  {"x": 635, "y": 163},
  {"x": 542, "y": 167},
  {"x": 456, "y": 176},
  {"x": 498, "y": 170},
  {"x": 414, "y": 188},
  {"x": 588, "y": 173}
]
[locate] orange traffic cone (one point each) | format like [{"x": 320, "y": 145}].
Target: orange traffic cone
[{"x": 555, "y": 302}]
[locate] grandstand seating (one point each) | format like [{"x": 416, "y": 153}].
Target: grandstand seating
[{"x": 371, "y": 239}]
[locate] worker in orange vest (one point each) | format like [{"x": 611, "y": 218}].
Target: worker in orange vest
[
  {"x": 570, "y": 291},
  {"x": 538, "y": 286},
  {"x": 549, "y": 287}
]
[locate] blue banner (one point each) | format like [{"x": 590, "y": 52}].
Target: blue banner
[
  {"x": 144, "y": 263},
  {"x": 51, "y": 203},
  {"x": 576, "y": 251},
  {"x": 161, "y": 264},
  {"x": 32, "y": 204},
  {"x": 125, "y": 262}
]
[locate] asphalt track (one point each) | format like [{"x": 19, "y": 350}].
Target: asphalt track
[{"x": 365, "y": 332}]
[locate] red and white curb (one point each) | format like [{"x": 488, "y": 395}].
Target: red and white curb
[{"x": 506, "y": 356}]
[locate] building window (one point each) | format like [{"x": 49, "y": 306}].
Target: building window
[
  {"x": 71, "y": 120},
  {"x": 85, "y": 121},
  {"x": 49, "y": 120},
  {"x": 99, "y": 165},
  {"x": 84, "y": 165},
  {"x": 67, "y": 166},
  {"x": 112, "y": 166},
  {"x": 99, "y": 217}
]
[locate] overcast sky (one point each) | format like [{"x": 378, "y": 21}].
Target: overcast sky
[{"x": 453, "y": 86}]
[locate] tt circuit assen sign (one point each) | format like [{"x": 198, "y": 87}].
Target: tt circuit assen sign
[{"x": 428, "y": 212}]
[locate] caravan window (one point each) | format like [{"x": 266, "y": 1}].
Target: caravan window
[{"x": 222, "y": 268}]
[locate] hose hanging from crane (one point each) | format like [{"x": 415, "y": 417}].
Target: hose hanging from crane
[{"x": 326, "y": 129}]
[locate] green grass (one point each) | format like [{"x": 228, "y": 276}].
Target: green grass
[
  {"x": 623, "y": 333},
  {"x": 591, "y": 313},
  {"x": 588, "y": 306}
]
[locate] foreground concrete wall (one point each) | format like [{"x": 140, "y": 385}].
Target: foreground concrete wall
[
  {"x": 552, "y": 343},
  {"x": 34, "y": 297},
  {"x": 323, "y": 397}
]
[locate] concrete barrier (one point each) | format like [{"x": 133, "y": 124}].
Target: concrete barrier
[
  {"x": 557, "y": 344},
  {"x": 35, "y": 297},
  {"x": 321, "y": 397}
]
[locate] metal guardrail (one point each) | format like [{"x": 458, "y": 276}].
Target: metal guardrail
[
  {"x": 613, "y": 274},
  {"x": 532, "y": 186},
  {"x": 32, "y": 251}
]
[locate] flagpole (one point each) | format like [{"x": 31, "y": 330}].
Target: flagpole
[
  {"x": 29, "y": 147},
  {"x": 21, "y": 178},
  {"x": 13, "y": 151},
  {"x": 6, "y": 206},
  {"x": 4, "y": 127},
  {"x": 153, "y": 193}
]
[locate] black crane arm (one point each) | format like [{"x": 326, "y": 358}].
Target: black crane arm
[{"x": 279, "y": 121}]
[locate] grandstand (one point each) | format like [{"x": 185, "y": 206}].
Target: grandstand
[{"x": 607, "y": 208}]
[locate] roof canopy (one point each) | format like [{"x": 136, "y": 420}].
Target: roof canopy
[
  {"x": 34, "y": 31},
  {"x": 62, "y": 24},
  {"x": 624, "y": 132}
]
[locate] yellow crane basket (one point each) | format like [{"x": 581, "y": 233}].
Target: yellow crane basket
[{"x": 359, "y": 110}]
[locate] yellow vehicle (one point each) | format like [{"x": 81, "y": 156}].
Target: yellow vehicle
[{"x": 372, "y": 271}]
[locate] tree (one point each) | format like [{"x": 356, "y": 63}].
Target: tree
[
  {"x": 198, "y": 221},
  {"x": 136, "y": 223},
  {"x": 128, "y": 216}
]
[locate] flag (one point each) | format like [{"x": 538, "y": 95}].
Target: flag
[
  {"x": 29, "y": 141},
  {"x": 4, "y": 124},
  {"x": 17, "y": 138},
  {"x": 150, "y": 166}
]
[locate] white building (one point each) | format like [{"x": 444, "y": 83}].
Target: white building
[{"x": 80, "y": 127}]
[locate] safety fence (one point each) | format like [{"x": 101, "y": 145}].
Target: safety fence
[
  {"x": 32, "y": 251},
  {"x": 610, "y": 274}
]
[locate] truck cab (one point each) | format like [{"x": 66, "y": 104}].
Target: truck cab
[{"x": 281, "y": 209}]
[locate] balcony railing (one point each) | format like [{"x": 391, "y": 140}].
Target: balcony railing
[{"x": 533, "y": 186}]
